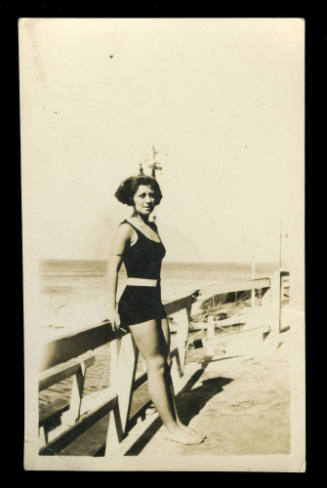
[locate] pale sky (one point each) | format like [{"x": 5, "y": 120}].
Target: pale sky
[{"x": 221, "y": 99}]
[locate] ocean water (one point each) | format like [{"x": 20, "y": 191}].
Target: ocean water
[{"x": 73, "y": 292}]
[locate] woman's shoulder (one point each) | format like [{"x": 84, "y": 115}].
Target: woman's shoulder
[{"x": 124, "y": 229}]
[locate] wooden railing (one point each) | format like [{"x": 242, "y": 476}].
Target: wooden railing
[
  {"x": 215, "y": 292},
  {"x": 72, "y": 354}
]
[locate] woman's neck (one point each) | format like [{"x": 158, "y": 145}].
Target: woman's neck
[{"x": 143, "y": 219}]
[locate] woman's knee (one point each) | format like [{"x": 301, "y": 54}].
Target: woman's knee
[{"x": 157, "y": 364}]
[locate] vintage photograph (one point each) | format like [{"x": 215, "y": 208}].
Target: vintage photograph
[{"x": 162, "y": 166}]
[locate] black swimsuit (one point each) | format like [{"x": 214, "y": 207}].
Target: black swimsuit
[{"x": 142, "y": 260}]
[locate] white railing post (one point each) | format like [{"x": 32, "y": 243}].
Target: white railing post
[
  {"x": 72, "y": 415},
  {"x": 273, "y": 337},
  {"x": 284, "y": 312},
  {"x": 210, "y": 335},
  {"x": 43, "y": 435},
  {"x": 124, "y": 356},
  {"x": 114, "y": 363},
  {"x": 112, "y": 438},
  {"x": 253, "y": 283},
  {"x": 182, "y": 318},
  {"x": 127, "y": 363}
]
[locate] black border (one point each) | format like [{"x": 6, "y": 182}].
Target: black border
[{"x": 314, "y": 14}]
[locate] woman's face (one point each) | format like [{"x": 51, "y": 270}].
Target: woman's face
[{"x": 144, "y": 199}]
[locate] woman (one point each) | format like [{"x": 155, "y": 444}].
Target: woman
[{"x": 138, "y": 245}]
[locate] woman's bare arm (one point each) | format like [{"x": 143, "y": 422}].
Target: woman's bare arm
[
  {"x": 119, "y": 244},
  {"x": 114, "y": 263}
]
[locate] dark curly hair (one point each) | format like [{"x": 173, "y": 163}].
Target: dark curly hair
[{"x": 128, "y": 188}]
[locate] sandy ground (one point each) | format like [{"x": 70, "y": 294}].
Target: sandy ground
[{"x": 242, "y": 403}]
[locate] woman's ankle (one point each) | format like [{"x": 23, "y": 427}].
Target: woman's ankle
[{"x": 173, "y": 428}]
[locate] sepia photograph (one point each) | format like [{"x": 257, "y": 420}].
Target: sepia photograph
[{"x": 162, "y": 180}]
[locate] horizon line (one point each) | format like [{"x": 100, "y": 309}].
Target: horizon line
[{"x": 166, "y": 261}]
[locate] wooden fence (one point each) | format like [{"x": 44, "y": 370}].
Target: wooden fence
[{"x": 71, "y": 356}]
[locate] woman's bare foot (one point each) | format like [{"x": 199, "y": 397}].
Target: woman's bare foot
[
  {"x": 183, "y": 435},
  {"x": 186, "y": 428}
]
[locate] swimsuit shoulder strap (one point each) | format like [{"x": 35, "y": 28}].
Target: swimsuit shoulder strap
[
  {"x": 135, "y": 228},
  {"x": 140, "y": 233}
]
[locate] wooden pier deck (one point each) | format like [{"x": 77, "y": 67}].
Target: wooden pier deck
[
  {"x": 239, "y": 396},
  {"x": 242, "y": 404}
]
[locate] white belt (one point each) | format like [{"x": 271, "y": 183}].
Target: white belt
[{"x": 141, "y": 282}]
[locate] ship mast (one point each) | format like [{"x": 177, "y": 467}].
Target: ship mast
[
  {"x": 282, "y": 234},
  {"x": 155, "y": 166},
  {"x": 280, "y": 245}
]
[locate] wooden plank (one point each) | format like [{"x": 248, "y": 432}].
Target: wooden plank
[
  {"x": 76, "y": 394},
  {"x": 173, "y": 307},
  {"x": 176, "y": 370},
  {"x": 232, "y": 287},
  {"x": 62, "y": 371},
  {"x": 115, "y": 433},
  {"x": 69, "y": 346},
  {"x": 239, "y": 333},
  {"x": 69, "y": 435},
  {"x": 72, "y": 345},
  {"x": 140, "y": 415},
  {"x": 284, "y": 273},
  {"x": 123, "y": 370},
  {"x": 43, "y": 435},
  {"x": 139, "y": 380},
  {"x": 210, "y": 335},
  {"x": 122, "y": 377},
  {"x": 53, "y": 418},
  {"x": 183, "y": 321}
]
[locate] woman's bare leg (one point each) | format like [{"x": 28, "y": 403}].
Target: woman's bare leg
[
  {"x": 166, "y": 334},
  {"x": 166, "y": 337},
  {"x": 149, "y": 339}
]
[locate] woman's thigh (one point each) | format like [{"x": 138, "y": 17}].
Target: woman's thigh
[{"x": 149, "y": 339}]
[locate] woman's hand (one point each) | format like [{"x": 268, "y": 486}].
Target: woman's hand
[{"x": 114, "y": 319}]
